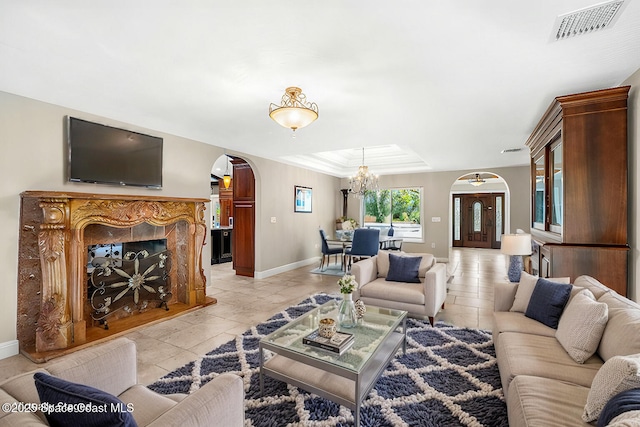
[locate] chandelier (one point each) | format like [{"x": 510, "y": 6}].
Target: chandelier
[
  {"x": 294, "y": 111},
  {"x": 363, "y": 181},
  {"x": 477, "y": 181}
]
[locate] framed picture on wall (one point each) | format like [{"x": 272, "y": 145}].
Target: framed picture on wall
[{"x": 302, "y": 199}]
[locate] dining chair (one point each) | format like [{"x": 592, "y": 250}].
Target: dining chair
[
  {"x": 366, "y": 242},
  {"x": 328, "y": 251},
  {"x": 395, "y": 245}
]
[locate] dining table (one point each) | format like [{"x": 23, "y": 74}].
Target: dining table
[{"x": 385, "y": 241}]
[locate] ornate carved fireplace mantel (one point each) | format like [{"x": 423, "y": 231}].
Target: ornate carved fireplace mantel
[{"x": 55, "y": 231}]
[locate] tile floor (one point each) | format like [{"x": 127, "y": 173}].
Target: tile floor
[{"x": 243, "y": 302}]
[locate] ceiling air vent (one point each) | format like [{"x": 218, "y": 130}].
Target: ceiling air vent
[
  {"x": 511, "y": 150},
  {"x": 587, "y": 20}
]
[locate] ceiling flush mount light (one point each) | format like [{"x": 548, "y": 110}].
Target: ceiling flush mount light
[
  {"x": 363, "y": 181},
  {"x": 294, "y": 111},
  {"x": 477, "y": 181}
]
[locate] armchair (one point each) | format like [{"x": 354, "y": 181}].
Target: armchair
[{"x": 421, "y": 300}]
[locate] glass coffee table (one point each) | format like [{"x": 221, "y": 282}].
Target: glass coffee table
[{"x": 345, "y": 379}]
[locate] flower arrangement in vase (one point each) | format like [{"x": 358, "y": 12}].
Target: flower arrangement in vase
[{"x": 347, "y": 316}]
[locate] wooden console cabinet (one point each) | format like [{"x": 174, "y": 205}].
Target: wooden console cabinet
[{"x": 579, "y": 188}]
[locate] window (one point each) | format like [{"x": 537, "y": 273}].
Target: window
[
  {"x": 477, "y": 217},
  {"x": 399, "y": 208},
  {"x": 456, "y": 218}
]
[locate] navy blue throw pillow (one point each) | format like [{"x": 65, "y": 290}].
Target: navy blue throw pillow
[
  {"x": 620, "y": 403},
  {"x": 404, "y": 269},
  {"x": 548, "y": 301},
  {"x": 83, "y": 405}
]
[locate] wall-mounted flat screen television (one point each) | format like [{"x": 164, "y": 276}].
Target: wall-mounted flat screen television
[{"x": 107, "y": 155}]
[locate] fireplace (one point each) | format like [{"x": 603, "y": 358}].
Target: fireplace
[{"x": 64, "y": 239}]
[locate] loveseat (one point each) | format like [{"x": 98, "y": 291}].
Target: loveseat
[
  {"x": 111, "y": 368},
  {"x": 419, "y": 288},
  {"x": 571, "y": 374}
]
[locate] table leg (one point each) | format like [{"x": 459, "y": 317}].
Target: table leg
[
  {"x": 261, "y": 373},
  {"x": 404, "y": 332}
]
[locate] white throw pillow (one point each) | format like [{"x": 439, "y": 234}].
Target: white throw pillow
[
  {"x": 525, "y": 289},
  {"x": 626, "y": 419},
  {"x": 618, "y": 374},
  {"x": 581, "y": 325}
]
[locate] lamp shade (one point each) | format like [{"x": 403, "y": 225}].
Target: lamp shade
[
  {"x": 293, "y": 117},
  {"x": 516, "y": 244},
  {"x": 226, "y": 180}
]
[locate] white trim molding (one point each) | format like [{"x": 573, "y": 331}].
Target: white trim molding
[
  {"x": 285, "y": 268},
  {"x": 9, "y": 348}
]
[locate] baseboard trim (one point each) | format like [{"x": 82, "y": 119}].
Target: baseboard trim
[
  {"x": 9, "y": 348},
  {"x": 285, "y": 268}
]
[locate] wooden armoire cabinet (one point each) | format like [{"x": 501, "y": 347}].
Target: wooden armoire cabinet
[{"x": 579, "y": 188}]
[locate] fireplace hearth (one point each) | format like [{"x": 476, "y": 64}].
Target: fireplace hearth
[{"x": 65, "y": 292}]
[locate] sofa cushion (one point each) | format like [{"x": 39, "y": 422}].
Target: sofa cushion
[
  {"x": 403, "y": 269},
  {"x": 618, "y": 374},
  {"x": 548, "y": 301},
  {"x": 508, "y": 321},
  {"x": 23, "y": 389},
  {"x": 382, "y": 262},
  {"x": 581, "y": 325},
  {"x": 626, "y": 401},
  {"x": 9, "y": 417},
  {"x": 110, "y": 411},
  {"x": 525, "y": 289},
  {"x": 620, "y": 336},
  {"x": 542, "y": 402},
  {"x": 526, "y": 354},
  {"x": 411, "y": 293}
]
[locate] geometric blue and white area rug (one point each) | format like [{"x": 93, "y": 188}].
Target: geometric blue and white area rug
[{"x": 448, "y": 377}]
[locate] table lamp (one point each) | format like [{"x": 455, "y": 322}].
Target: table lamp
[{"x": 516, "y": 245}]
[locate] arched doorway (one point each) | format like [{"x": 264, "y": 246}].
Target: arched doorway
[
  {"x": 233, "y": 213},
  {"x": 479, "y": 210}
]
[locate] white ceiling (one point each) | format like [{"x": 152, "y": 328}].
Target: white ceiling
[{"x": 423, "y": 85}]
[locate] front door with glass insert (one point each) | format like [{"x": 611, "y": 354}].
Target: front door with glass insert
[{"x": 478, "y": 220}]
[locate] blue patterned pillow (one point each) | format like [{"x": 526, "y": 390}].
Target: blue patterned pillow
[
  {"x": 404, "y": 269},
  {"x": 548, "y": 301},
  {"x": 95, "y": 408},
  {"x": 620, "y": 403}
]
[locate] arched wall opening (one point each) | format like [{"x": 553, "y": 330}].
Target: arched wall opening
[{"x": 479, "y": 182}]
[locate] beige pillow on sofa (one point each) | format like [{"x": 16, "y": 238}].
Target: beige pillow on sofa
[
  {"x": 581, "y": 325},
  {"x": 525, "y": 289},
  {"x": 618, "y": 374}
]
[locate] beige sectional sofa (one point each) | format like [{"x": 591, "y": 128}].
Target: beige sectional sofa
[
  {"x": 422, "y": 299},
  {"x": 545, "y": 385},
  {"x": 111, "y": 367}
]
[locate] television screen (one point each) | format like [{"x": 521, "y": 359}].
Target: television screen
[{"x": 107, "y": 155}]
